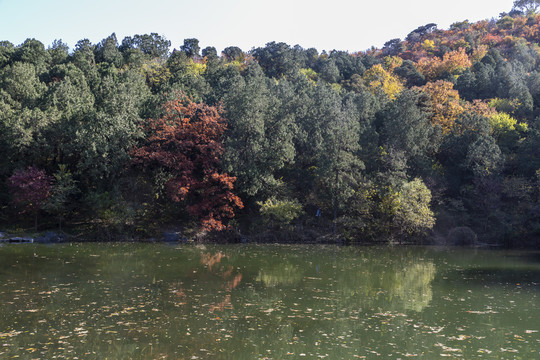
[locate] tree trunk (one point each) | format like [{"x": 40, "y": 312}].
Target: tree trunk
[
  {"x": 334, "y": 200},
  {"x": 335, "y": 221}
]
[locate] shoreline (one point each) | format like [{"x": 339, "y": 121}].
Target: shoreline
[{"x": 268, "y": 237}]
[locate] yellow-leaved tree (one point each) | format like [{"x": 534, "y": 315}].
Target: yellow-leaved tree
[{"x": 383, "y": 81}]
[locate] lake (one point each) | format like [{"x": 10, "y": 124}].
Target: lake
[{"x": 158, "y": 301}]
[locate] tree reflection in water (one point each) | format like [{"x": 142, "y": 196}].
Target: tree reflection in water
[
  {"x": 232, "y": 279},
  {"x": 255, "y": 301},
  {"x": 387, "y": 281},
  {"x": 413, "y": 285}
]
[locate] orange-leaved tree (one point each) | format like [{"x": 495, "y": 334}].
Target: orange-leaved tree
[
  {"x": 454, "y": 63},
  {"x": 186, "y": 144},
  {"x": 446, "y": 103}
]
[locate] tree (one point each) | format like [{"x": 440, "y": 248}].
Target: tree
[
  {"x": 453, "y": 63},
  {"x": 59, "y": 52},
  {"x": 6, "y": 51},
  {"x": 393, "y": 47},
  {"x": 527, "y": 6},
  {"x": 83, "y": 56},
  {"x": 233, "y": 53},
  {"x": 29, "y": 189},
  {"x": 33, "y": 51},
  {"x": 412, "y": 76},
  {"x": 338, "y": 166},
  {"x": 22, "y": 119},
  {"x": 7, "y": 136},
  {"x": 483, "y": 157},
  {"x": 483, "y": 87},
  {"x": 468, "y": 151},
  {"x": 445, "y": 103},
  {"x": 413, "y": 214},
  {"x": 103, "y": 137},
  {"x": 329, "y": 72},
  {"x": 528, "y": 152},
  {"x": 417, "y": 34},
  {"x": 191, "y": 47},
  {"x": 467, "y": 85},
  {"x": 63, "y": 188},
  {"x": 404, "y": 127},
  {"x": 382, "y": 81},
  {"x": 69, "y": 101},
  {"x": 107, "y": 50},
  {"x": 277, "y": 59},
  {"x": 209, "y": 52},
  {"x": 259, "y": 138},
  {"x": 354, "y": 84},
  {"x": 391, "y": 211},
  {"x": 279, "y": 213},
  {"x": 186, "y": 143},
  {"x": 152, "y": 45},
  {"x": 21, "y": 82},
  {"x": 506, "y": 22},
  {"x": 157, "y": 74},
  {"x": 347, "y": 65}
]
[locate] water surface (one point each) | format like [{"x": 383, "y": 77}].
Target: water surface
[{"x": 154, "y": 301}]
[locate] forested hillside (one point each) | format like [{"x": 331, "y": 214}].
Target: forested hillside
[{"x": 422, "y": 139}]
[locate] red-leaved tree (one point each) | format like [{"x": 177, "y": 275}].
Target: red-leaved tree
[
  {"x": 29, "y": 189},
  {"x": 186, "y": 143}
]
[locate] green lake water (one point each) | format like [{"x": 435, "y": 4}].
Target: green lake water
[{"x": 156, "y": 301}]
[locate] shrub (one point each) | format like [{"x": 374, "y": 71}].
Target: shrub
[{"x": 280, "y": 213}]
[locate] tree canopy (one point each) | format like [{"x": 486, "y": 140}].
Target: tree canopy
[{"x": 436, "y": 131}]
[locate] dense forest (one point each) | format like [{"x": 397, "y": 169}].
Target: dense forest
[{"x": 433, "y": 138}]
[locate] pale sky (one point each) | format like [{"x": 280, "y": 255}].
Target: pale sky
[{"x": 326, "y": 25}]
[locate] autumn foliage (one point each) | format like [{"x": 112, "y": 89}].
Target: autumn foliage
[
  {"x": 379, "y": 79},
  {"x": 29, "y": 188},
  {"x": 454, "y": 62},
  {"x": 186, "y": 143},
  {"x": 445, "y": 102}
]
